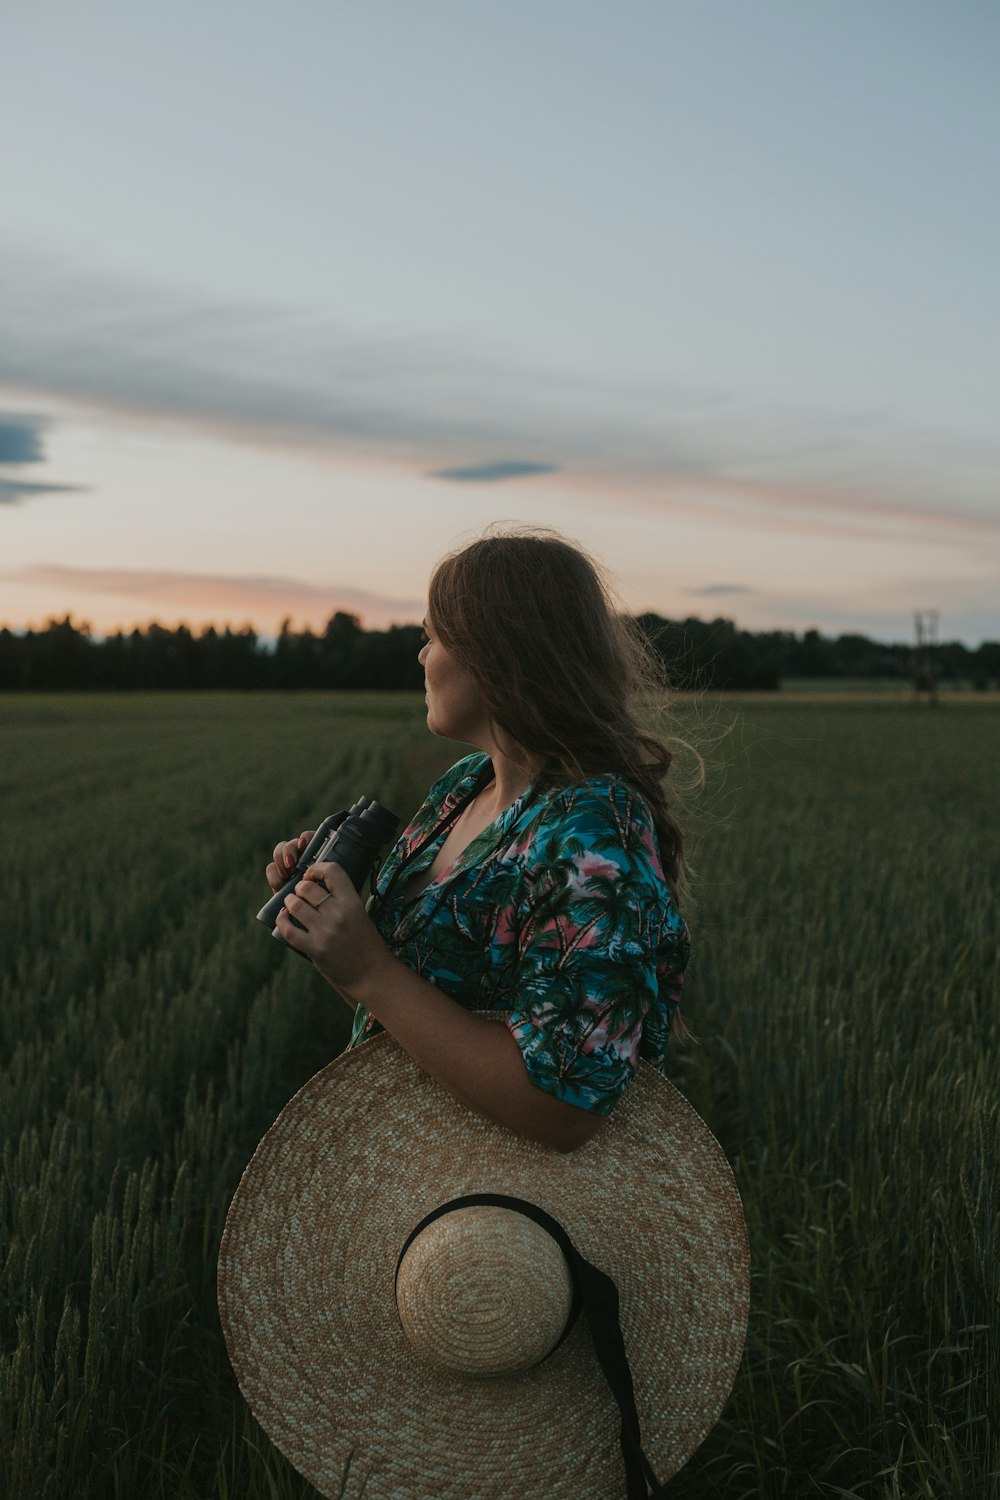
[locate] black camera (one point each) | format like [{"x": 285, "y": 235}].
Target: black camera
[{"x": 353, "y": 840}]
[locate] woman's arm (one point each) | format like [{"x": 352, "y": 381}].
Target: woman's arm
[{"x": 475, "y": 1059}]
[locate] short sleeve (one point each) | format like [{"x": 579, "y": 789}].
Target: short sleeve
[{"x": 591, "y": 929}]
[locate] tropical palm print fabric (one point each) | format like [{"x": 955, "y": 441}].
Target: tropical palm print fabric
[{"x": 559, "y": 914}]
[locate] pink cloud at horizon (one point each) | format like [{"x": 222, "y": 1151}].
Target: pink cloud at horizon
[{"x": 200, "y": 599}]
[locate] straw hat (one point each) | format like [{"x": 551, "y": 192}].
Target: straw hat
[{"x": 393, "y": 1360}]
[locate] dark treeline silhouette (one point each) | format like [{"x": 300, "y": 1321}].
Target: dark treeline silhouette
[
  {"x": 64, "y": 656},
  {"x": 698, "y": 654}
]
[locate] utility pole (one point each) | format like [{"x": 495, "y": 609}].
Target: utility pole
[{"x": 925, "y": 666}]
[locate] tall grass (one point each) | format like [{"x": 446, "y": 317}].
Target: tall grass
[{"x": 844, "y": 989}]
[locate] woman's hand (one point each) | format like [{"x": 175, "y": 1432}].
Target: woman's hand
[
  {"x": 284, "y": 859},
  {"x": 336, "y": 931}
]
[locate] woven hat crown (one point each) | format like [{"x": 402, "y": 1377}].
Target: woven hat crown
[{"x": 483, "y": 1291}]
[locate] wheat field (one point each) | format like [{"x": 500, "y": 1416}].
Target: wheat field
[{"x": 843, "y": 992}]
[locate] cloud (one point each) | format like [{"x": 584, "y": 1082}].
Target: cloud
[
  {"x": 13, "y": 491},
  {"x": 267, "y": 375},
  {"x": 223, "y": 596},
  {"x": 489, "y": 473},
  {"x": 21, "y": 438},
  {"x": 21, "y": 443},
  {"x": 724, "y": 588}
]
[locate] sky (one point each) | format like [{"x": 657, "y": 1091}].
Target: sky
[{"x": 293, "y": 298}]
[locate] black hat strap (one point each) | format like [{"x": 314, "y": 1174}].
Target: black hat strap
[{"x": 596, "y": 1294}]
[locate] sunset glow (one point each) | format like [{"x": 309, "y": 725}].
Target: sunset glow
[{"x": 270, "y": 354}]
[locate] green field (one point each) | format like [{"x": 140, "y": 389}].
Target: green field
[{"x": 843, "y": 990}]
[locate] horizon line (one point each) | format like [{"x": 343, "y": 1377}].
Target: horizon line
[{"x": 84, "y": 628}]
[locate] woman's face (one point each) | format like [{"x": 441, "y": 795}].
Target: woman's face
[{"x": 456, "y": 709}]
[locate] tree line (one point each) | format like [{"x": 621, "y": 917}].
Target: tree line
[{"x": 712, "y": 654}]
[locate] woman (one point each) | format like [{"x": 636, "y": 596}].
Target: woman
[{"x": 539, "y": 878}]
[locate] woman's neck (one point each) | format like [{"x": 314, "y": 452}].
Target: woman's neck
[{"x": 512, "y": 774}]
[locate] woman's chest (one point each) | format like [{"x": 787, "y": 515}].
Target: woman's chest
[
  {"x": 464, "y": 921},
  {"x": 444, "y": 853}
]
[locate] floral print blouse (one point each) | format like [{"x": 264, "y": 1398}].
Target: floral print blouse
[{"x": 557, "y": 913}]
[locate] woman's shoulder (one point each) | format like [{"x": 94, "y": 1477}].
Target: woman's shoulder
[
  {"x": 603, "y": 814},
  {"x": 605, "y": 800},
  {"x": 595, "y": 841}
]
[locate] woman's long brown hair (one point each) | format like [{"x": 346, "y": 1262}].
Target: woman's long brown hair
[{"x": 563, "y": 672}]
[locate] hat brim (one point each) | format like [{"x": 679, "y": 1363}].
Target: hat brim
[{"x": 368, "y": 1147}]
